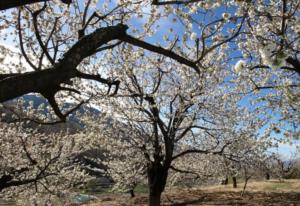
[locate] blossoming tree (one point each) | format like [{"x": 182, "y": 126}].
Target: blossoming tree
[
  {"x": 37, "y": 165},
  {"x": 162, "y": 113},
  {"x": 169, "y": 63}
]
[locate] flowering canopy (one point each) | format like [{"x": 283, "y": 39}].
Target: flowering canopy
[{"x": 176, "y": 73}]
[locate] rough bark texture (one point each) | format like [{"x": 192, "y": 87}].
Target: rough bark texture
[
  {"x": 157, "y": 178},
  {"x": 38, "y": 81},
  {"x": 154, "y": 200}
]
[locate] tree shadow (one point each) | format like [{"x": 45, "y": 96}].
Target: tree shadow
[{"x": 234, "y": 198}]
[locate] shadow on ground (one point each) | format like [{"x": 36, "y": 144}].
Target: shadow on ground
[{"x": 233, "y": 198}]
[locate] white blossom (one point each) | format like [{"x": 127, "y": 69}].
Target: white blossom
[
  {"x": 239, "y": 66},
  {"x": 193, "y": 36}
]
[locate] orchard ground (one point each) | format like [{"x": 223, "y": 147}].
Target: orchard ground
[{"x": 272, "y": 192}]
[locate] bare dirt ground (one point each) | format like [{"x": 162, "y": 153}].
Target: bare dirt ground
[{"x": 271, "y": 193}]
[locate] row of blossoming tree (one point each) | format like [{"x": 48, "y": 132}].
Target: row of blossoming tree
[{"x": 185, "y": 88}]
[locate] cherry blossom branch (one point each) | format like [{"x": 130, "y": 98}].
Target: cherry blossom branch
[
  {"x": 178, "y": 2},
  {"x": 7, "y": 180},
  {"x": 160, "y": 50},
  {"x": 185, "y": 171},
  {"x": 294, "y": 62},
  {"x": 85, "y": 23},
  {"x": 16, "y": 3},
  {"x": 37, "y": 33},
  {"x": 98, "y": 78},
  {"x": 22, "y": 44},
  {"x": 233, "y": 36},
  {"x": 198, "y": 151},
  {"x": 47, "y": 82}
]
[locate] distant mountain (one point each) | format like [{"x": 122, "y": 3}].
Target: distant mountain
[
  {"x": 38, "y": 100},
  {"x": 72, "y": 124}
]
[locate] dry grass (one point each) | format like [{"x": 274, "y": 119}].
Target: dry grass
[
  {"x": 271, "y": 192},
  {"x": 262, "y": 186}
]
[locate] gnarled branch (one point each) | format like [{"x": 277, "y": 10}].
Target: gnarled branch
[{"x": 47, "y": 82}]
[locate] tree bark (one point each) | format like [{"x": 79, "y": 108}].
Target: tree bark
[
  {"x": 245, "y": 185},
  {"x": 157, "y": 178},
  {"x": 267, "y": 176},
  {"x": 154, "y": 200},
  {"x": 247, "y": 178},
  {"x": 38, "y": 81},
  {"x": 234, "y": 182},
  {"x": 295, "y": 63}
]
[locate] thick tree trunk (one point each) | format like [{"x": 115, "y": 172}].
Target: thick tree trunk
[
  {"x": 234, "y": 183},
  {"x": 157, "y": 178},
  {"x": 154, "y": 200}
]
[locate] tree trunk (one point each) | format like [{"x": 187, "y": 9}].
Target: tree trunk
[
  {"x": 245, "y": 185},
  {"x": 267, "y": 176},
  {"x": 132, "y": 195},
  {"x": 225, "y": 181},
  {"x": 234, "y": 183},
  {"x": 247, "y": 178},
  {"x": 154, "y": 200},
  {"x": 157, "y": 178}
]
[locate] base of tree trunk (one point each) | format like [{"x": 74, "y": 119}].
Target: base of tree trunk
[
  {"x": 131, "y": 192},
  {"x": 234, "y": 182},
  {"x": 154, "y": 200}
]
